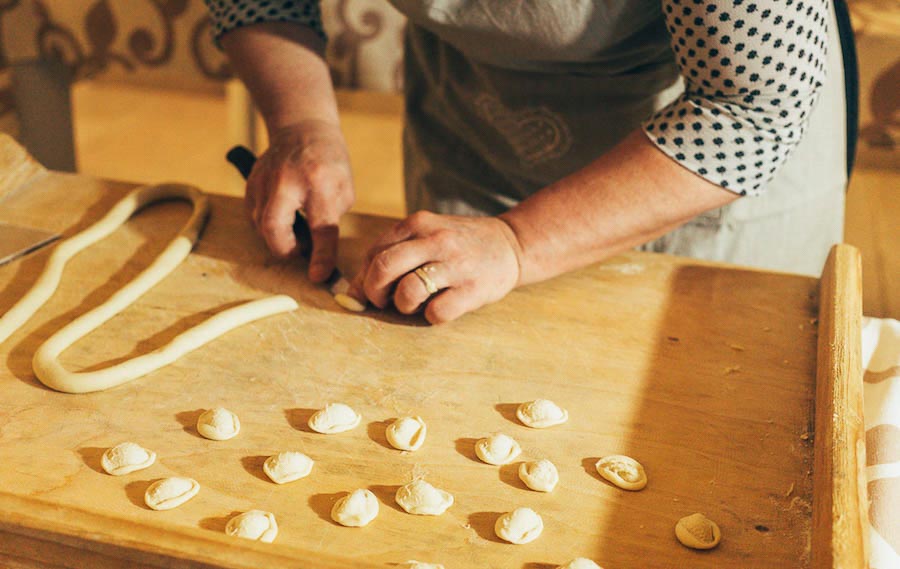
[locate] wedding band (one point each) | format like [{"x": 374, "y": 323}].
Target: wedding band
[{"x": 422, "y": 273}]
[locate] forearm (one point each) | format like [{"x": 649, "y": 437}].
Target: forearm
[
  {"x": 284, "y": 69},
  {"x": 629, "y": 196}
]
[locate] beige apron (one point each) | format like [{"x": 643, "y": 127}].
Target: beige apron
[{"x": 500, "y": 103}]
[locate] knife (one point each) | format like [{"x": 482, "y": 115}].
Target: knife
[
  {"x": 17, "y": 241},
  {"x": 243, "y": 159}
]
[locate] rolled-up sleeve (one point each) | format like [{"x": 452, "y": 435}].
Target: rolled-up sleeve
[
  {"x": 231, "y": 14},
  {"x": 752, "y": 74}
]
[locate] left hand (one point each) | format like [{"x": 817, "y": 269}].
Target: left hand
[{"x": 472, "y": 261}]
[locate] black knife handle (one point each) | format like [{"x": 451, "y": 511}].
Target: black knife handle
[{"x": 243, "y": 159}]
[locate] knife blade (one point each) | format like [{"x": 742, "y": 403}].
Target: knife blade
[{"x": 17, "y": 241}]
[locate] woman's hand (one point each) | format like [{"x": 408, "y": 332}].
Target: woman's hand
[
  {"x": 305, "y": 168},
  {"x": 472, "y": 261}
]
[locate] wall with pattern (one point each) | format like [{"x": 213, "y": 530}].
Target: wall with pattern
[{"x": 167, "y": 43}]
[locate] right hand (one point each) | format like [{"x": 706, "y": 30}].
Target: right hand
[{"x": 306, "y": 168}]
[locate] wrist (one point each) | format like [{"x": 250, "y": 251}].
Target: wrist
[
  {"x": 287, "y": 119},
  {"x": 513, "y": 241},
  {"x": 516, "y": 232},
  {"x": 306, "y": 129}
]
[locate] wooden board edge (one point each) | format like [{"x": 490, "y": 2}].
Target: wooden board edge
[
  {"x": 91, "y": 539},
  {"x": 840, "y": 531}
]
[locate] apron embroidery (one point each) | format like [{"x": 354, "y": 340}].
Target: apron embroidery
[{"x": 536, "y": 134}]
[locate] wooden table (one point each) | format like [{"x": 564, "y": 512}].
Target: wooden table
[{"x": 705, "y": 373}]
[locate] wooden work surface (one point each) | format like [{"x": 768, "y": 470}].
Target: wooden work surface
[{"x": 704, "y": 373}]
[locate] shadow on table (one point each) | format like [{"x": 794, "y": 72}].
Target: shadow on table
[
  {"x": 376, "y": 430},
  {"x": 715, "y": 419},
  {"x": 483, "y": 524},
  {"x": 135, "y": 492},
  {"x": 298, "y": 418},
  {"x": 508, "y": 412},
  {"x": 466, "y": 447},
  {"x": 322, "y": 504},
  {"x": 254, "y": 465},
  {"x": 92, "y": 457},
  {"x": 509, "y": 475},
  {"x": 386, "y": 494},
  {"x": 217, "y": 523},
  {"x": 188, "y": 421}
]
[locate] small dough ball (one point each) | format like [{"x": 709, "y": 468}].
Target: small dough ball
[
  {"x": 347, "y": 302},
  {"x": 580, "y": 563},
  {"x": 541, "y": 413},
  {"x": 522, "y": 525},
  {"x": 170, "y": 493},
  {"x": 356, "y": 509},
  {"x": 497, "y": 449},
  {"x": 421, "y": 498},
  {"x": 540, "y": 475},
  {"x": 407, "y": 433},
  {"x": 698, "y": 532},
  {"x": 125, "y": 458},
  {"x": 412, "y": 564},
  {"x": 622, "y": 471},
  {"x": 334, "y": 418},
  {"x": 256, "y": 525},
  {"x": 288, "y": 466},
  {"x": 218, "y": 424}
]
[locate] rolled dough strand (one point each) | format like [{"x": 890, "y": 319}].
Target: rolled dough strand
[
  {"x": 45, "y": 363},
  {"x": 55, "y": 376},
  {"x": 48, "y": 281}
]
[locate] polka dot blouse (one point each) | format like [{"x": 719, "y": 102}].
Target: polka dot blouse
[
  {"x": 230, "y": 14},
  {"x": 752, "y": 70}
]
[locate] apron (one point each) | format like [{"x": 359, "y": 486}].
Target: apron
[{"x": 501, "y": 102}]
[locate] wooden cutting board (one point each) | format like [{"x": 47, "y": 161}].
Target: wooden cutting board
[{"x": 705, "y": 373}]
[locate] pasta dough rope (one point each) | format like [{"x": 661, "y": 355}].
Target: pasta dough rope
[{"x": 45, "y": 363}]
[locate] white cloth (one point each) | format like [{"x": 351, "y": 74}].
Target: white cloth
[{"x": 881, "y": 394}]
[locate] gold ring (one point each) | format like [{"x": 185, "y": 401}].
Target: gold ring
[{"x": 422, "y": 273}]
